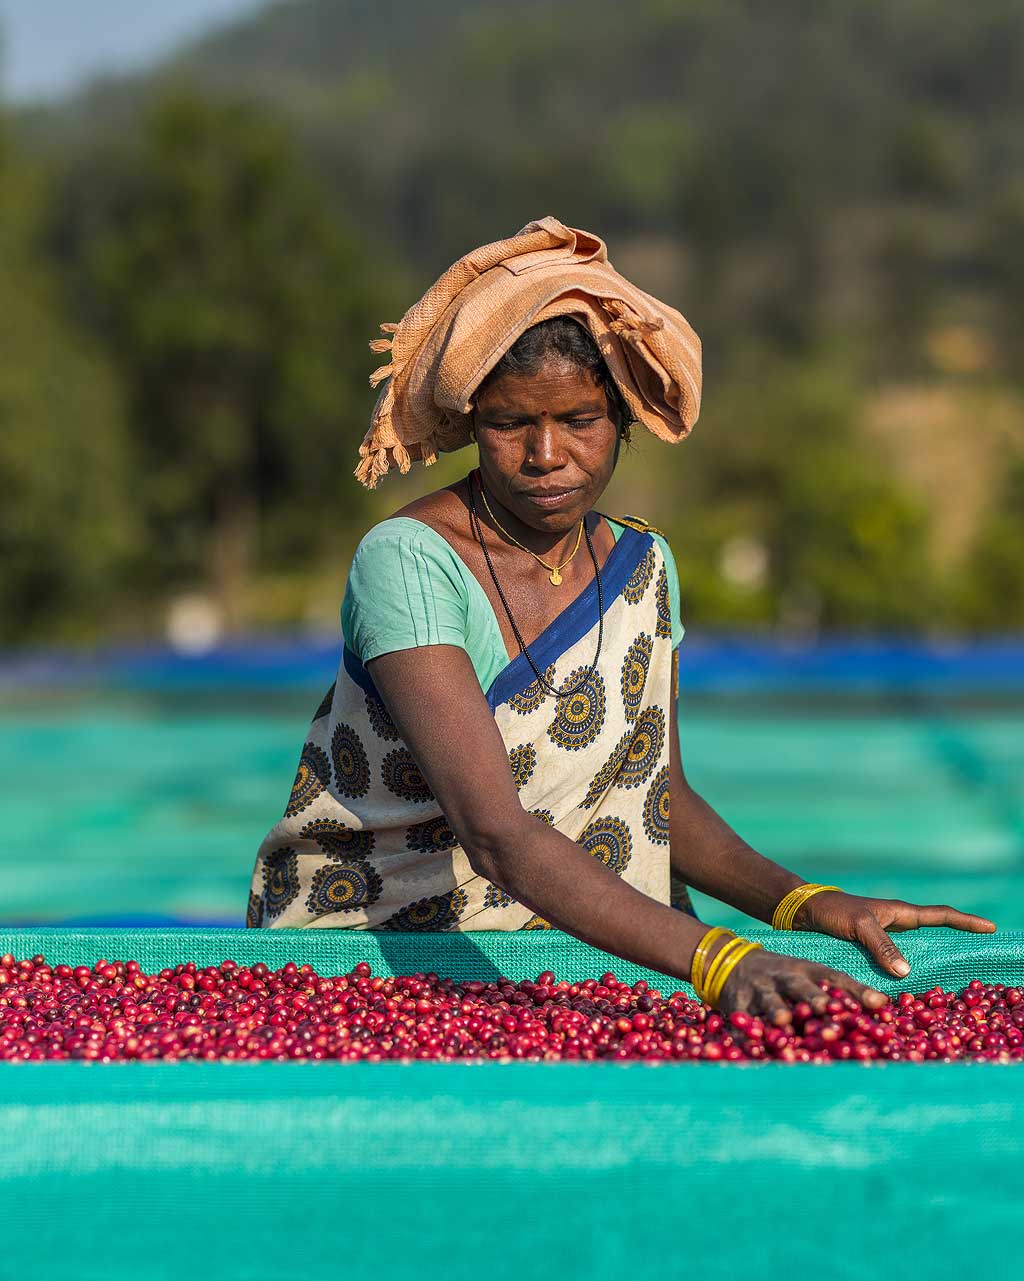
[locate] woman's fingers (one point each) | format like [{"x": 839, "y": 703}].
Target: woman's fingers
[
  {"x": 742, "y": 997},
  {"x": 756, "y": 991},
  {"x": 869, "y": 997},
  {"x": 882, "y": 948},
  {"x": 800, "y": 986},
  {"x": 771, "y": 985},
  {"x": 770, "y": 1003},
  {"x": 943, "y": 914}
]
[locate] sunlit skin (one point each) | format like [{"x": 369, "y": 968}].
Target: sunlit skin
[
  {"x": 551, "y": 430},
  {"x": 540, "y": 437},
  {"x": 541, "y": 434}
]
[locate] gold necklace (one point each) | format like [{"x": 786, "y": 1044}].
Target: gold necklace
[{"x": 553, "y": 570}]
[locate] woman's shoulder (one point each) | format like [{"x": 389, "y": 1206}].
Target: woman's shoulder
[
  {"x": 426, "y": 522},
  {"x": 403, "y": 553},
  {"x": 443, "y": 510},
  {"x": 406, "y": 587},
  {"x": 439, "y": 524},
  {"x": 397, "y": 531},
  {"x": 423, "y": 519}
]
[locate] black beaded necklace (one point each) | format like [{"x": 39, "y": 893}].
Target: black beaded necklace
[{"x": 542, "y": 682}]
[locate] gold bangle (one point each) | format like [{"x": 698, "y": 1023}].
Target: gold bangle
[
  {"x": 794, "y": 900},
  {"x": 782, "y": 909},
  {"x": 722, "y": 976},
  {"x": 712, "y": 971},
  {"x": 700, "y": 955},
  {"x": 806, "y": 892},
  {"x": 785, "y": 913},
  {"x": 714, "y": 994}
]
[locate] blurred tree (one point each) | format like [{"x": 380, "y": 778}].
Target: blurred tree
[
  {"x": 1003, "y": 239},
  {"x": 850, "y": 538},
  {"x": 906, "y": 292},
  {"x": 239, "y": 307},
  {"x": 843, "y": 544},
  {"x": 927, "y": 154},
  {"x": 991, "y": 586},
  {"x": 802, "y": 176},
  {"x": 68, "y": 516}
]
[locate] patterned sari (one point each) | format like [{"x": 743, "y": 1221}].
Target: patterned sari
[{"x": 363, "y": 843}]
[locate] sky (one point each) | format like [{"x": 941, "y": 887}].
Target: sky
[{"x": 51, "y": 47}]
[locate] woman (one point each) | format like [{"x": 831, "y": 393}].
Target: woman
[{"x": 500, "y": 747}]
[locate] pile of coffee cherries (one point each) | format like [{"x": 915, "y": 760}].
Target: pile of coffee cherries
[{"x": 113, "y": 1011}]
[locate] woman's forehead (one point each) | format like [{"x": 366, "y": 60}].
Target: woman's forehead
[{"x": 557, "y": 386}]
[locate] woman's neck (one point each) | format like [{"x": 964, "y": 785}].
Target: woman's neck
[{"x": 552, "y": 546}]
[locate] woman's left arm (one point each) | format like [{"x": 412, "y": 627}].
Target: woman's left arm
[{"x": 710, "y": 856}]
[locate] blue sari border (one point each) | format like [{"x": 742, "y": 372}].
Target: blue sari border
[
  {"x": 358, "y": 673},
  {"x": 573, "y": 623}
]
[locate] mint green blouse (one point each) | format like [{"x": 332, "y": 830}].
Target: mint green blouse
[{"x": 408, "y": 587}]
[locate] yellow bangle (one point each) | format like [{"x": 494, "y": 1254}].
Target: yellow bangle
[
  {"x": 782, "y": 910},
  {"x": 785, "y": 913},
  {"x": 714, "y": 991},
  {"x": 700, "y": 956},
  {"x": 712, "y": 971}
]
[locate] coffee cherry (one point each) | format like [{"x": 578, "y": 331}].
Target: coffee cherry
[{"x": 114, "y": 1011}]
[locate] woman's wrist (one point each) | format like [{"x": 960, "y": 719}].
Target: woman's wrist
[
  {"x": 709, "y": 946},
  {"x": 795, "y": 908},
  {"x": 715, "y": 957}
]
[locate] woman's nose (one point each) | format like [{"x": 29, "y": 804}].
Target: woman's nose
[{"x": 544, "y": 447}]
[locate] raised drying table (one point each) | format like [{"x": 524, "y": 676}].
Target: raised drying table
[{"x": 490, "y": 1170}]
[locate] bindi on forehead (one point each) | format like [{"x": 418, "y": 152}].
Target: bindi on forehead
[{"x": 561, "y": 392}]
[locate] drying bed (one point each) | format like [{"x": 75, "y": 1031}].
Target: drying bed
[{"x": 594, "y": 1170}]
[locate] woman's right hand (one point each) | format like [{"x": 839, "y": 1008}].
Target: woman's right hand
[{"x": 768, "y": 985}]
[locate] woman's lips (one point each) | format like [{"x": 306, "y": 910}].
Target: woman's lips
[{"x": 553, "y": 499}]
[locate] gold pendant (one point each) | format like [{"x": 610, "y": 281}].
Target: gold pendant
[{"x": 556, "y": 577}]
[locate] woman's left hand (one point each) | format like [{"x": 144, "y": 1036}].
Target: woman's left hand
[{"x": 866, "y": 920}]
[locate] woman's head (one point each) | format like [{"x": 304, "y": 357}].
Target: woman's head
[
  {"x": 430, "y": 385},
  {"x": 548, "y": 421}
]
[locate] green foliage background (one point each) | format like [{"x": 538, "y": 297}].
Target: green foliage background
[{"x": 832, "y": 193}]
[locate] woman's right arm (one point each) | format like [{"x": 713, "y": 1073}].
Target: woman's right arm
[{"x": 435, "y": 700}]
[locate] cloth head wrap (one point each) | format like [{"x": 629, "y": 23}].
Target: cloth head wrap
[{"x": 449, "y": 341}]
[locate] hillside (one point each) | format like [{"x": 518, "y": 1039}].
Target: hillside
[
  {"x": 716, "y": 124},
  {"x": 832, "y": 194}
]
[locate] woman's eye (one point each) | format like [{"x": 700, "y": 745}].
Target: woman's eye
[{"x": 518, "y": 426}]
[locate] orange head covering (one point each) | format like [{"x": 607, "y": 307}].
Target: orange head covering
[{"x": 453, "y": 337}]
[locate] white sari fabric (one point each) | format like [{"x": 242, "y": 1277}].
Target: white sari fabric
[{"x": 363, "y": 843}]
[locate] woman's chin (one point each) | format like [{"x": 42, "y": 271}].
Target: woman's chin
[{"x": 552, "y": 522}]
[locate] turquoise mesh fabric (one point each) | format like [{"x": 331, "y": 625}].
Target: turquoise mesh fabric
[
  {"x": 393, "y": 1173},
  {"x": 937, "y": 956},
  {"x": 164, "y": 798},
  {"x": 385, "y": 1171}
]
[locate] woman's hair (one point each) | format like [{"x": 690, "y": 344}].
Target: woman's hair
[{"x": 566, "y": 338}]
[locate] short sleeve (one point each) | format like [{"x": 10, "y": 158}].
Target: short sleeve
[
  {"x": 675, "y": 604},
  {"x": 404, "y": 590}
]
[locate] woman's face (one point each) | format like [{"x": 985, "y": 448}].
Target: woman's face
[{"x": 547, "y": 444}]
